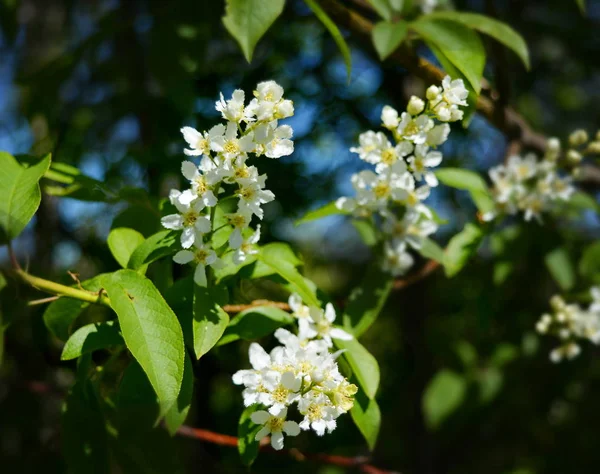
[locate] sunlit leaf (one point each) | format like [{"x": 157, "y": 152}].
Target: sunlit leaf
[
  {"x": 272, "y": 258},
  {"x": 255, "y": 323},
  {"x": 335, "y": 33},
  {"x": 329, "y": 209},
  {"x": 462, "y": 247},
  {"x": 387, "y": 36},
  {"x": 177, "y": 414},
  {"x": 122, "y": 241},
  {"x": 367, "y": 300},
  {"x": 151, "y": 331},
  {"x": 92, "y": 337},
  {"x": 461, "y": 45},
  {"x": 248, "y": 20},
  {"x": 247, "y": 445},
  {"x": 210, "y": 320},
  {"x": 159, "y": 245},
  {"x": 364, "y": 366},
  {"x": 367, "y": 418},
  {"x": 496, "y": 29},
  {"x": 20, "y": 191}
]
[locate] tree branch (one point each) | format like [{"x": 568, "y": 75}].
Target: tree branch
[
  {"x": 505, "y": 119},
  {"x": 238, "y": 308},
  {"x": 359, "y": 462},
  {"x": 427, "y": 269}
]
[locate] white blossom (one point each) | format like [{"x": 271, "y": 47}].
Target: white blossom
[
  {"x": 320, "y": 324},
  {"x": 275, "y": 426},
  {"x": 202, "y": 256}
]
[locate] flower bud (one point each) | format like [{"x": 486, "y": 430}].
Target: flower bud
[
  {"x": 594, "y": 147},
  {"x": 456, "y": 114},
  {"x": 432, "y": 92},
  {"x": 574, "y": 157},
  {"x": 557, "y": 303},
  {"x": 415, "y": 105},
  {"x": 578, "y": 137},
  {"x": 553, "y": 144}
]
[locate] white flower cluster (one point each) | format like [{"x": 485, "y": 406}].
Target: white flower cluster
[
  {"x": 393, "y": 192},
  {"x": 571, "y": 323},
  {"x": 427, "y": 6},
  {"x": 528, "y": 185},
  {"x": 223, "y": 173},
  {"x": 301, "y": 371}
]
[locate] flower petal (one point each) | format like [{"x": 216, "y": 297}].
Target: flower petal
[
  {"x": 260, "y": 417},
  {"x": 291, "y": 428},
  {"x": 277, "y": 440},
  {"x": 183, "y": 256}
]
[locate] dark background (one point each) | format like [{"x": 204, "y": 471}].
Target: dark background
[{"x": 106, "y": 85}]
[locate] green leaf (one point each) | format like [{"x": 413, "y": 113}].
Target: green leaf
[
  {"x": 468, "y": 181},
  {"x": 490, "y": 382},
  {"x": 366, "y": 231},
  {"x": 151, "y": 332},
  {"x": 467, "y": 353},
  {"x": 177, "y": 414},
  {"x": 141, "y": 218},
  {"x": 461, "y": 179},
  {"x": 581, "y": 5},
  {"x": 323, "y": 211},
  {"x": 20, "y": 191},
  {"x": 335, "y": 33},
  {"x": 140, "y": 446},
  {"x": 62, "y": 313},
  {"x": 504, "y": 354},
  {"x": 454, "y": 73},
  {"x": 210, "y": 321},
  {"x": 122, "y": 241},
  {"x": 279, "y": 251},
  {"x": 430, "y": 249},
  {"x": 459, "y": 44},
  {"x": 462, "y": 247},
  {"x": 76, "y": 185},
  {"x": 272, "y": 258},
  {"x": 91, "y": 337},
  {"x": 367, "y": 300},
  {"x": 364, "y": 366},
  {"x": 83, "y": 434},
  {"x": 248, "y": 20},
  {"x": 247, "y": 446},
  {"x": 383, "y": 8},
  {"x": 388, "y": 36},
  {"x": 498, "y": 30},
  {"x": 560, "y": 267},
  {"x": 156, "y": 246},
  {"x": 589, "y": 265},
  {"x": 443, "y": 395},
  {"x": 180, "y": 297},
  {"x": 367, "y": 418},
  {"x": 255, "y": 323}
]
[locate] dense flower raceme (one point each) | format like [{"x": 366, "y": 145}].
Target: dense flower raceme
[
  {"x": 533, "y": 186},
  {"x": 302, "y": 371},
  {"x": 571, "y": 323},
  {"x": 392, "y": 193},
  {"x": 224, "y": 173}
]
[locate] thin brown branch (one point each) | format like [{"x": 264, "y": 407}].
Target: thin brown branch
[
  {"x": 507, "y": 119},
  {"x": 238, "y": 308},
  {"x": 359, "y": 462},
  {"x": 426, "y": 270},
  {"x": 50, "y": 299}
]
